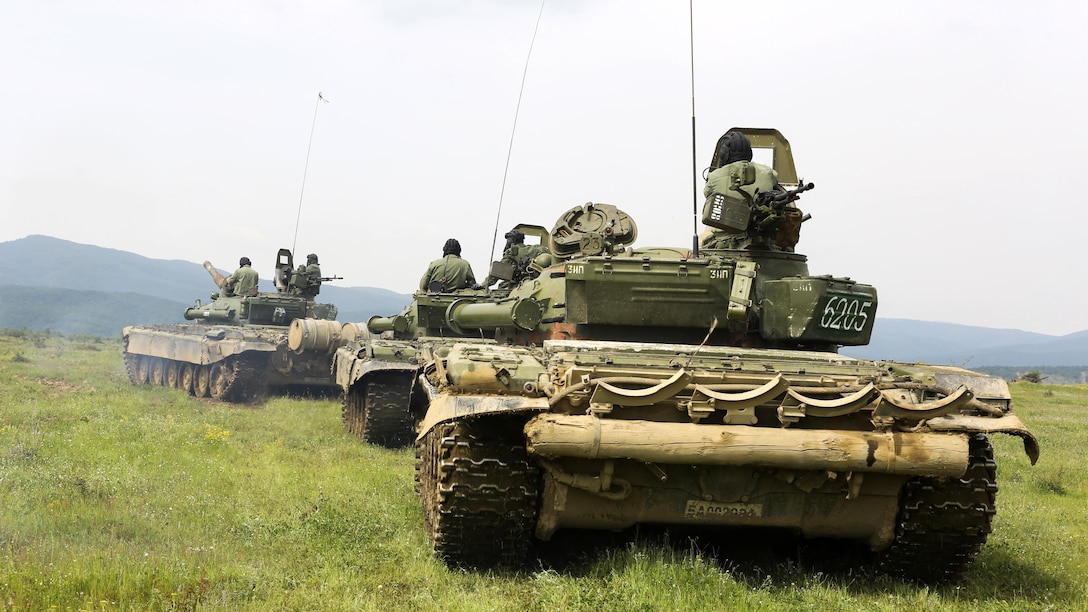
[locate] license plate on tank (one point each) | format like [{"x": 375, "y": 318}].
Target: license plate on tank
[{"x": 699, "y": 509}]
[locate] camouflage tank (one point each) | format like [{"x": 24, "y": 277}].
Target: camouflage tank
[
  {"x": 239, "y": 345},
  {"x": 683, "y": 386}
]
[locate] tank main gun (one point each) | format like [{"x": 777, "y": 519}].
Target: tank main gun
[{"x": 216, "y": 275}]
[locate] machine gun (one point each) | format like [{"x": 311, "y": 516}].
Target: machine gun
[
  {"x": 778, "y": 199},
  {"x": 772, "y": 218},
  {"x": 739, "y": 213}
]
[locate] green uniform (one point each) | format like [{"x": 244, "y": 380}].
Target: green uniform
[
  {"x": 312, "y": 272},
  {"x": 519, "y": 256},
  {"x": 452, "y": 271},
  {"x": 242, "y": 282},
  {"x": 722, "y": 180}
]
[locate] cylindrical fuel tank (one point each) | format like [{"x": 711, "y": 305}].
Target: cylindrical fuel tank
[{"x": 313, "y": 335}]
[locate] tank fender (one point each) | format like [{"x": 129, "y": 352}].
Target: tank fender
[
  {"x": 354, "y": 362},
  {"x": 215, "y": 344},
  {"x": 1007, "y": 424},
  {"x": 446, "y": 406}
]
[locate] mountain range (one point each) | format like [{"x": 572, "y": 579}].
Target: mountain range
[{"x": 49, "y": 283}]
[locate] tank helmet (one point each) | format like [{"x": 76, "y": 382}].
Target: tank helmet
[
  {"x": 515, "y": 237},
  {"x": 311, "y": 258},
  {"x": 452, "y": 247},
  {"x": 244, "y": 261},
  {"x": 735, "y": 146}
]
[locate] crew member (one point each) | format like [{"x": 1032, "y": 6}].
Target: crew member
[
  {"x": 737, "y": 174},
  {"x": 243, "y": 281},
  {"x": 448, "y": 273},
  {"x": 519, "y": 255},
  {"x": 312, "y": 273}
]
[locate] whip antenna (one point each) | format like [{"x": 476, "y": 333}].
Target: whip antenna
[
  {"x": 694, "y": 160},
  {"x": 510, "y": 149},
  {"x": 306, "y": 167}
]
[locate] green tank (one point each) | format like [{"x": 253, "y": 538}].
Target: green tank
[
  {"x": 240, "y": 345},
  {"x": 697, "y": 387}
]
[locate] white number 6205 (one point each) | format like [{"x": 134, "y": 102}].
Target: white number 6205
[{"x": 846, "y": 314}]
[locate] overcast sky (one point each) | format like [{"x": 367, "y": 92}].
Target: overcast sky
[{"x": 947, "y": 140}]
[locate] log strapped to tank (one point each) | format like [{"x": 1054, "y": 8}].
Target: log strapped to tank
[{"x": 590, "y": 437}]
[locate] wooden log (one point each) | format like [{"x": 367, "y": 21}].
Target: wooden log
[{"x": 590, "y": 437}]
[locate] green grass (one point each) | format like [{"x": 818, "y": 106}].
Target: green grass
[{"x": 117, "y": 497}]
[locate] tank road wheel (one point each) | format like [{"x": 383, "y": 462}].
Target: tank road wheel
[
  {"x": 173, "y": 372},
  {"x": 379, "y": 411},
  {"x": 185, "y": 377},
  {"x": 479, "y": 491},
  {"x": 143, "y": 369},
  {"x": 157, "y": 375},
  {"x": 943, "y": 523},
  {"x": 221, "y": 378},
  {"x": 202, "y": 376}
]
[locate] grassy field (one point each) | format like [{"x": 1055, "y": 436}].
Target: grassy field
[{"x": 124, "y": 498}]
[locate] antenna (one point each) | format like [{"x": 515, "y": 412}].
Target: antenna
[
  {"x": 694, "y": 157},
  {"x": 320, "y": 99},
  {"x": 510, "y": 149}
]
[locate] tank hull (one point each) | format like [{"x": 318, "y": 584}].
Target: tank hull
[
  {"x": 226, "y": 362},
  {"x": 608, "y": 435}
]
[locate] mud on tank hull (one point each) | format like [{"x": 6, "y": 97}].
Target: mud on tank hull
[
  {"x": 229, "y": 362},
  {"x": 521, "y": 442}
]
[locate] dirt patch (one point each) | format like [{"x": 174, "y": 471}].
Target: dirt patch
[{"x": 59, "y": 387}]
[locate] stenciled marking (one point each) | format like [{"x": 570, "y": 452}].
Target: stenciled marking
[
  {"x": 576, "y": 269},
  {"x": 846, "y": 313},
  {"x": 698, "y": 509}
]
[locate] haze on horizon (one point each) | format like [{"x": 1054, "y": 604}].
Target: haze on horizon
[{"x": 946, "y": 140}]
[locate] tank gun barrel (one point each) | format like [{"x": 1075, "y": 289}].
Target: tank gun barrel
[
  {"x": 216, "y": 276},
  {"x": 396, "y": 323},
  {"x": 524, "y": 313},
  {"x": 778, "y": 199}
]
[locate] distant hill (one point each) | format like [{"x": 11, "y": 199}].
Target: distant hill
[
  {"x": 970, "y": 346},
  {"x": 115, "y": 281},
  {"x": 79, "y": 288},
  {"x": 70, "y": 311}
]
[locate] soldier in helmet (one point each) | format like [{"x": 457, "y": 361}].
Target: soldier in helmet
[
  {"x": 243, "y": 281},
  {"x": 519, "y": 255},
  {"x": 734, "y": 160},
  {"x": 448, "y": 273},
  {"x": 312, "y": 273}
]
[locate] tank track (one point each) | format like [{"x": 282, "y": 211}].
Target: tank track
[
  {"x": 378, "y": 411},
  {"x": 480, "y": 492},
  {"x": 245, "y": 380},
  {"x": 245, "y": 377},
  {"x": 131, "y": 365},
  {"x": 943, "y": 523}
]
